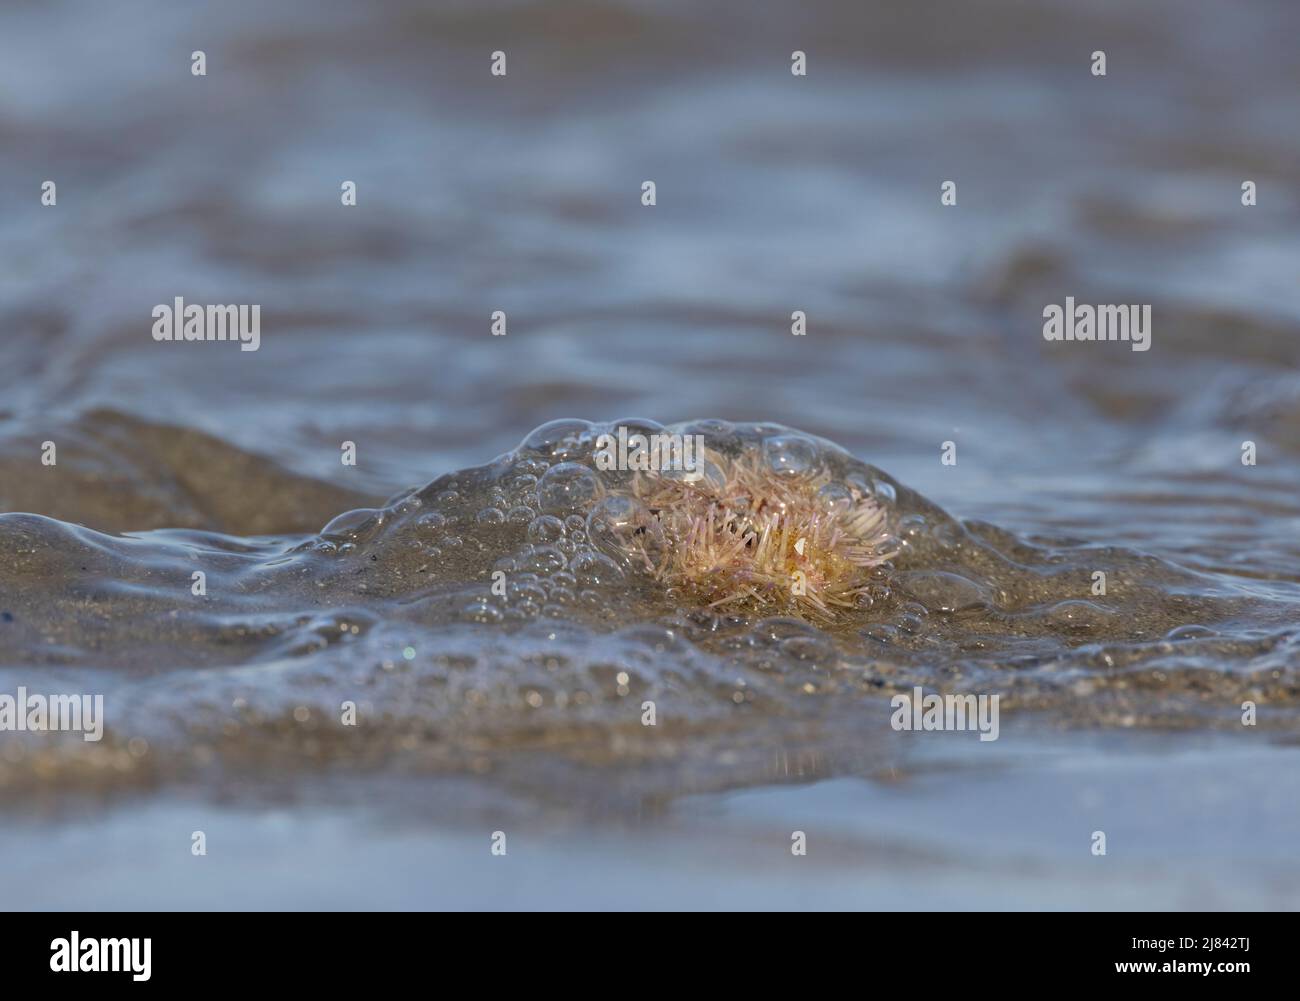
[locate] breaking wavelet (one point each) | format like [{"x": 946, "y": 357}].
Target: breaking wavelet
[{"x": 534, "y": 605}]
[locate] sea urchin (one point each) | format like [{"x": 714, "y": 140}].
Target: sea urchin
[{"x": 748, "y": 538}]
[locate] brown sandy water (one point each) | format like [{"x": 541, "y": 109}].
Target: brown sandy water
[{"x": 475, "y": 711}]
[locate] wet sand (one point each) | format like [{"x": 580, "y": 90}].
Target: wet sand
[{"x": 1199, "y": 823}]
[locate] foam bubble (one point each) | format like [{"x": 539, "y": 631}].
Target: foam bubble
[
  {"x": 567, "y": 487},
  {"x": 790, "y": 455},
  {"x": 545, "y": 528}
]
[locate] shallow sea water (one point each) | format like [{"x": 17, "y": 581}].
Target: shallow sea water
[{"x": 522, "y": 713}]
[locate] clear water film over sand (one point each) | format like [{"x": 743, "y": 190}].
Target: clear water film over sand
[{"x": 384, "y": 664}]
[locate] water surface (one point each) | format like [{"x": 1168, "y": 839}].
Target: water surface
[{"x": 775, "y": 194}]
